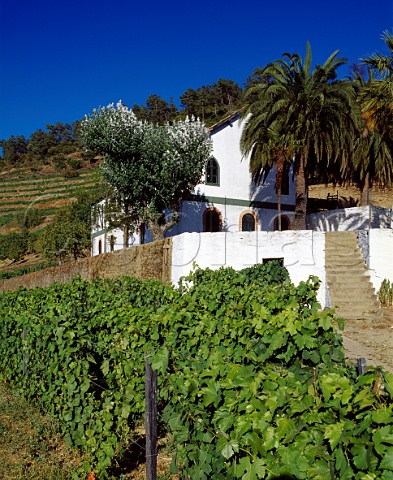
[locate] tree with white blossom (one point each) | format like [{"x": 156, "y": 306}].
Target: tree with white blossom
[{"x": 151, "y": 167}]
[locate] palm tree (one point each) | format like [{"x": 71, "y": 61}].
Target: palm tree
[
  {"x": 377, "y": 98},
  {"x": 376, "y": 103},
  {"x": 372, "y": 160},
  {"x": 305, "y": 113}
]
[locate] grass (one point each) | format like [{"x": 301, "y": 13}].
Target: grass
[{"x": 30, "y": 447}]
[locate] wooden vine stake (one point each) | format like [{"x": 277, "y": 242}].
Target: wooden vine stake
[{"x": 151, "y": 421}]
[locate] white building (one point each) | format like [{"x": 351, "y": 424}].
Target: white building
[{"x": 226, "y": 200}]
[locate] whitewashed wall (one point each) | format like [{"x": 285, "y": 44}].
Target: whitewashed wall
[
  {"x": 303, "y": 253},
  {"x": 380, "y": 256},
  {"x": 191, "y": 217},
  {"x": 235, "y": 179},
  {"x": 354, "y": 218},
  {"x": 104, "y": 237}
]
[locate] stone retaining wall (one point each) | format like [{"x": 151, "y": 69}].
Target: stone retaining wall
[{"x": 153, "y": 260}]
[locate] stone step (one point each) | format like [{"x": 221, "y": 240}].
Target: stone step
[
  {"x": 351, "y": 317},
  {"x": 358, "y": 306},
  {"x": 342, "y": 267},
  {"x": 348, "y": 281},
  {"x": 358, "y": 313},
  {"x": 354, "y": 311},
  {"x": 351, "y": 293},
  {"x": 355, "y": 273},
  {"x": 340, "y": 246},
  {"x": 343, "y": 254},
  {"x": 356, "y": 299},
  {"x": 341, "y": 291},
  {"x": 344, "y": 257},
  {"x": 341, "y": 234},
  {"x": 339, "y": 264},
  {"x": 355, "y": 289}
]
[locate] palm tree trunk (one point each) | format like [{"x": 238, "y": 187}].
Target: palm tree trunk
[
  {"x": 301, "y": 196},
  {"x": 365, "y": 190},
  {"x": 279, "y": 172}
]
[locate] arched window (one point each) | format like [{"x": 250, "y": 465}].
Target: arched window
[
  {"x": 211, "y": 220},
  {"x": 99, "y": 247},
  {"x": 285, "y": 223},
  {"x": 248, "y": 222},
  {"x": 212, "y": 172}
]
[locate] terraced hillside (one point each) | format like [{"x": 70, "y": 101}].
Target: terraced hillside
[
  {"x": 30, "y": 199},
  {"x": 47, "y": 192}
]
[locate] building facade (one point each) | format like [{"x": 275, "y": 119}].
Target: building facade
[{"x": 226, "y": 200}]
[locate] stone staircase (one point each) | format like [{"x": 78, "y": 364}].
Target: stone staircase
[{"x": 351, "y": 292}]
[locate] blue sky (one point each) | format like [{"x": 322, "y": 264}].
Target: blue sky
[{"x": 59, "y": 60}]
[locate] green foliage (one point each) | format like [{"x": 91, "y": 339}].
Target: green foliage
[
  {"x": 295, "y": 112},
  {"x": 259, "y": 388},
  {"x": 39, "y": 143},
  {"x": 212, "y": 102},
  {"x": 13, "y": 149},
  {"x": 271, "y": 272},
  {"x": 74, "y": 163},
  {"x": 151, "y": 167},
  {"x": 29, "y": 218},
  {"x": 82, "y": 349},
  {"x": 17, "y": 272},
  {"x": 69, "y": 233},
  {"x": 58, "y": 140},
  {"x": 59, "y": 161},
  {"x": 4, "y": 219},
  {"x": 252, "y": 378},
  {"x": 385, "y": 293},
  {"x": 14, "y": 245}
]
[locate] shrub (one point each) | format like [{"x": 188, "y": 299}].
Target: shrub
[
  {"x": 29, "y": 218},
  {"x": 4, "y": 219},
  {"x": 59, "y": 162},
  {"x": 70, "y": 173},
  {"x": 14, "y": 245},
  {"x": 385, "y": 293},
  {"x": 74, "y": 163}
]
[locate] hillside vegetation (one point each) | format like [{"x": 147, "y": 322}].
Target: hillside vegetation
[{"x": 32, "y": 201}]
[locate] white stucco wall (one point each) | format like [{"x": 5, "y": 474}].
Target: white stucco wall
[
  {"x": 354, "y": 218},
  {"x": 104, "y": 237},
  {"x": 303, "y": 253},
  {"x": 235, "y": 178},
  {"x": 380, "y": 256},
  {"x": 191, "y": 217}
]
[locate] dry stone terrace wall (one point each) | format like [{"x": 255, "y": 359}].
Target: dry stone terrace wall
[{"x": 152, "y": 260}]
